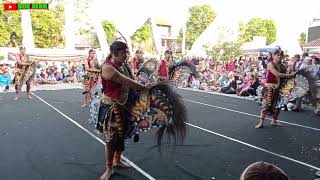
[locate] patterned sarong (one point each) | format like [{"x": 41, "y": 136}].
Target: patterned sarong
[
  {"x": 22, "y": 76},
  {"x": 112, "y": 122},
  {"x": 89, "y": 82},
  {"x": 270, "y": 99}
]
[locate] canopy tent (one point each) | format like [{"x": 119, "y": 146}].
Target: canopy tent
[{"x": 291, "y": 47}]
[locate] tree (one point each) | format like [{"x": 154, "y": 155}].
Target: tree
[
  {"x": 110, "y": 30},
  {"x": 225, "y": 51},
  {"x": 200, "y": 18},
  {"x": 82, "y": 14},
  {"x": 47, "y": 27},
  {"x": 258, "y": 27},
  {"x": 10, "y": 28},
  {"x": 143, "y": 37},
  {"x": 303, "y": 38}
]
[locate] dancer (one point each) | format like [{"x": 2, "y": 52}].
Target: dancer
[
  {"x": 91, "y": 77},
  {"x": 116, "y": 81},
  {"x": 24, "y": 72},
  {"x": 274, "y": 76},
  {"x": 137, "y": 61},
  {"x": 163, "y": 67}
]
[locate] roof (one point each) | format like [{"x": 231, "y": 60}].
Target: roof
[
  {"x": 314, "y": 43},
  {"x": 57, "y": 58}
]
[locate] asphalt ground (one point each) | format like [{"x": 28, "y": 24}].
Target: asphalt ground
[{"x": 48, "y": 137}]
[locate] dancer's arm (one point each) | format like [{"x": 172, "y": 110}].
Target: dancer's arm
[
  {"x": 19, "y": 61},
  {"x": 110, "y": 73},
  {"x": 86, "y": 66},
  {"x": 275, "y": 72}
]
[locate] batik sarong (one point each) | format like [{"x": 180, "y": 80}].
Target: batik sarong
[
  {"x": 89, "y": 82},
  {"x": 270, "y": 100},
  {"x": 112, "y": 122},
  {"x": 24, "y": 75}
]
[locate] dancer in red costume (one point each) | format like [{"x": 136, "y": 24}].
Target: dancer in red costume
[
  {"x": 91, "y": 77},
  {"x": 275, "y": 73},
  {"x": 163, "y": 67},
  {"x": 115, "y": 81}
]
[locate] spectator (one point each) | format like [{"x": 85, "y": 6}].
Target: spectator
[{"x": 263, "y": 171}]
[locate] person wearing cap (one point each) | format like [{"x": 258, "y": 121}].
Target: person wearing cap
[
  {"x": 275, "y": 74},
  {"x": 163, "y": 67},
  {"x": 263, "y": 171},
  {"x": 24, "y": 72}
]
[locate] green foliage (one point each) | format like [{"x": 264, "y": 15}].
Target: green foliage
[
  {"x": 200, "y": 18},
  {"x": 143, "y": 38},
  {"x": 10, "y": 28},
  {"x": 1, "y": 58},
  {"x": 84, "y": 31},
  {"x": 303, "y": 38},
  {"x": 47, "y": 27},
  {"x": 225, "y": 51},
  {"x": 110, "y": 30},
  {"x": 95, "y": 41},
  {"x": 82, "y": 17},
  {"x": 258, "y": 27}
]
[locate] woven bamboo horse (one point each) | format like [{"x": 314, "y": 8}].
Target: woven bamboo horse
[
  {"x": 159, "y": 107},
  {"x": 292, "y": 88},
  {"x": 177, "y": 72}
]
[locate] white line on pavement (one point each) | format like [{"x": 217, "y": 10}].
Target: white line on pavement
[
  {"x": 217, "y": 93},
  {"x": 248, "y": 114},
  {"x": 255, "y": 147},
  {"x": 95, "y": 137}
]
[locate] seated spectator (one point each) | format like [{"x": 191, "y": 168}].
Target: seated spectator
[
  {"x": 245, "y": 87},
  {"x": 255, "y": 84},
  {"x": 230, "y": 87},
  {"x": 194, "y": 82},
  {"x": 5, "y": 79},
  {"x": 58, "y": 76},
  {"x": 223, "y": 79},
  {"x": 263, "y": 171},
  {"x": 51, "y": 77}
]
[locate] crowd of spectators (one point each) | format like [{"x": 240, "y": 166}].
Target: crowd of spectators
[
  {"x": 44, "y": 74},
  {"x": 242, "y": 76}
]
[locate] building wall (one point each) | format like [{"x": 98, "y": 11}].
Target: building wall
[
  {"x": 314, "y": 30},
  {"x": 313, "y": 33}
]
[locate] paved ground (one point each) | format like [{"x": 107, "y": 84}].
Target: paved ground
[{"x": 39, "y": 141}]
